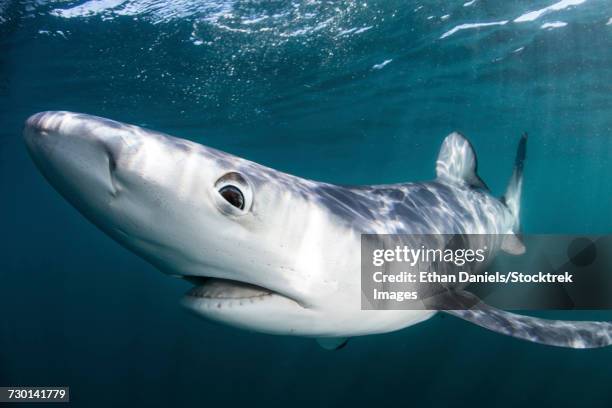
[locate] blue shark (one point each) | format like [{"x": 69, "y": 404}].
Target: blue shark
[{"x": 271, "y": 252}]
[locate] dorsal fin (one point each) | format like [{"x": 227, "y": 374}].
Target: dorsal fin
[{"x": 457, "y": 162}]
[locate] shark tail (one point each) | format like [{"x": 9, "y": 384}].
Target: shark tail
[
  {"x": 512, "y": 197},
  {"x": 466, "y": 306}
]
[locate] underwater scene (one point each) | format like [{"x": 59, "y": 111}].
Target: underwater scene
[{"x": 342, "y": 92}]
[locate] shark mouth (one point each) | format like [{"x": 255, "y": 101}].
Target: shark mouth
[
  {"x": 219, "y": 290},
  {"x": 217, "y": 293}
]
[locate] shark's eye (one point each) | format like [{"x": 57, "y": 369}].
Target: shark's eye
[{"x": 233, "y": 195}]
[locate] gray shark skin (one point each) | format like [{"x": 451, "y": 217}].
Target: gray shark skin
[{"x": 272, "y": 252}]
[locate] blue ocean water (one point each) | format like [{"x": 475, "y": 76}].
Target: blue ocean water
[{"x": 357, "y": 92}]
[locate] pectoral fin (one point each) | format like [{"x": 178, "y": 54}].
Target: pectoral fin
[{"x": 560, "y": 333}]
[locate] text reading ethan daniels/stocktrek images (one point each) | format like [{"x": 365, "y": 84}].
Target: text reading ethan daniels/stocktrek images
[{"x": 416, "y": 271}]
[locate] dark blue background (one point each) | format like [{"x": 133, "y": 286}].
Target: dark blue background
[{"x": 300, "y": 96}]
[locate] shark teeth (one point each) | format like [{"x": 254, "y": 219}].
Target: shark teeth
[{"x": 227, "y": 289}]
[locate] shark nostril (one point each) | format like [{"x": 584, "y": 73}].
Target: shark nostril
[
  {"x": 111, "y": 149},
  {"x": 112, "y": 163},
  {"x": 112, "y": 167}
]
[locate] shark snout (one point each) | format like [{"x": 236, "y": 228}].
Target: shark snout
[
  {"x": 39, "y": 132},
  {"x": 43, "y": 122},
  {"x": 75, "y": 135},
  {"x": 76, "y": 153},
  {"x": 46, "y": 129}
]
